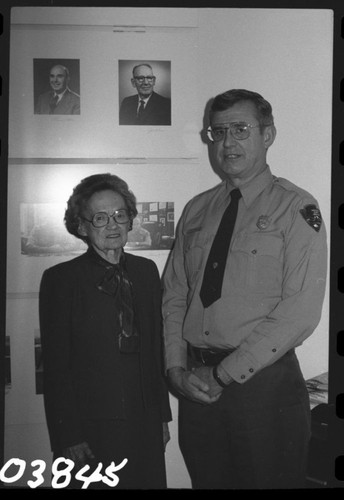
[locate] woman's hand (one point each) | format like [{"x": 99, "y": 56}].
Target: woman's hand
[
  {"x": 166, "y": 433},
  {"x": 80, "y": 454}
]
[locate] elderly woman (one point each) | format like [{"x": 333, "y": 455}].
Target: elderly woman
[{"x": 104, "y": 392}]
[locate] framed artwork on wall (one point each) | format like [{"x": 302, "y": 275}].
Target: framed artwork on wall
[
  {"x": 96, "y": 117},
  {"x": 144, "y": 89},
  {"x": 43, "y": 234},
  {"x": 56, "y": 86},
  {"x": 150, "y": 230},
  {"x": 37, "y": 236}
]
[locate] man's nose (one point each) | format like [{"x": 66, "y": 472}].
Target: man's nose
[{"x": 229, "y": 140}]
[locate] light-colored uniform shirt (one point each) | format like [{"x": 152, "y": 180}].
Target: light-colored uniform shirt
[{"x": 274, "y": 281}]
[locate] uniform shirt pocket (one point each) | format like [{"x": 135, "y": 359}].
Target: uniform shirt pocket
[{"x": 256, "y": 262}]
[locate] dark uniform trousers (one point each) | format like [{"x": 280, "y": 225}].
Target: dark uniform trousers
[{"x": 255, "y": 436}]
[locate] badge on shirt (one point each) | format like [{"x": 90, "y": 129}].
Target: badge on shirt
[
  {"x": 312, "y": 216},
  {"x": 263, "y": 222}
]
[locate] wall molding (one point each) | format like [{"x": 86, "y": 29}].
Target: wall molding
[{"x": 107, "y": 161}]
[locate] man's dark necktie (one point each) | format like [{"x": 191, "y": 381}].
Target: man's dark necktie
[
  {"x": 141, "y": 109},
  {"x": 53, "y": 103},
  {"x": 216, "y": 263}
]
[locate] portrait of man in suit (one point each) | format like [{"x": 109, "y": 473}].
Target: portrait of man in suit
[
  {"x": 60, "y": 99},
  {"x": 146, "y": 107}
]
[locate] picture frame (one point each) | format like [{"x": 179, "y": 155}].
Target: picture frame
[
  {"x": 101, "y": 79},
  {"x": 38, "y": 197}
]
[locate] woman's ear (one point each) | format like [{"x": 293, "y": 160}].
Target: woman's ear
[{"x": 82, "y": 229}]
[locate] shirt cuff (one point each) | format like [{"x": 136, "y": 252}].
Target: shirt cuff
[{"x": 175, "y": 357}]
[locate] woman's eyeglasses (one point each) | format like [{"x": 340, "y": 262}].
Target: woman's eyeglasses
[{"x": 101, "y": 219}]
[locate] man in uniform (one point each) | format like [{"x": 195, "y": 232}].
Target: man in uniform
[{"x": 235, "y": 309}]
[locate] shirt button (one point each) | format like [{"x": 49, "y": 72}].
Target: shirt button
[
  {"x": 274, "y": 350},
  {"x": 251, "y": 370},
  {"x": 243, "y": 376},
  {"x": 206, "y": 333},
  {"x": 215, "y": 264}
]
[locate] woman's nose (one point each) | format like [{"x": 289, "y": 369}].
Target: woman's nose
[{"x": 112, "y": 222}]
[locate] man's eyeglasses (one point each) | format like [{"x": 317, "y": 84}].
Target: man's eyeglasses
[
  {"x": 101, "y": 219},
  {"x": 238, "y": 130},
  {"x": 141, "y": 79}
]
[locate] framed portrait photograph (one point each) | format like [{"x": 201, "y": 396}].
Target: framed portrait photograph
[
  {"x": 56, "y": 86},
  {"x": 144, "y": 89}
]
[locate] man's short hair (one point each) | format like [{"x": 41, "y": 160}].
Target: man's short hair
[
  {"x": 66, "y": 70},
  {"x": 142, "y": 64},
  {"x": 227, "y": 99}
]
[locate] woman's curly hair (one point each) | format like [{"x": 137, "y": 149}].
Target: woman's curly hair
[{"x": 77, "y": 202}]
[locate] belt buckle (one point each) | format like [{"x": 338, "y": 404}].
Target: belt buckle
[{"x": 202, "y": 358}]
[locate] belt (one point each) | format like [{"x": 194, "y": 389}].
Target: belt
[{"x": 208, "y": 357}]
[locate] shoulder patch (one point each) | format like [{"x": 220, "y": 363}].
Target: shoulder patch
[{"x": 312, "y": 216}]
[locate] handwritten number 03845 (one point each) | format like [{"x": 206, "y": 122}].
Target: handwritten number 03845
[{"x": 110, "y": 478}]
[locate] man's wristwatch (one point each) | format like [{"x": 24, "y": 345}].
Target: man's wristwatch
[{"x": 217, "y": 378}]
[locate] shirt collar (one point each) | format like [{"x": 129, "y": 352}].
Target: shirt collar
[
  {"x": 59, "y": 96},
  {"x": 252, "y": 189},
  {"x": 146, "y": 99}
]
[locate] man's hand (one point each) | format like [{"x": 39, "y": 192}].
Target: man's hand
[
  {"x": 205, "y": 373},
  {"x": 192, "y": 386},
  {"x": 80, "y": 453}
]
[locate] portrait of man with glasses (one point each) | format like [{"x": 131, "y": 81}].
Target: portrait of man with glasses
[
  {"x": 147, "y": 107},
  {"x": 244, "y": 287}
]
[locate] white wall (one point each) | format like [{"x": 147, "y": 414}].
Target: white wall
[{"x": 286, "y": 55}]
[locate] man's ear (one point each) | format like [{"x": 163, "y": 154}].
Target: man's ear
[
  {"x": 133, "y": 82},
  {"x": 269, "y": 135}
]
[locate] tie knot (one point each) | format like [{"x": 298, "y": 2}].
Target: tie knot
[
  {"x": 236, "y": 194},
  {"x": 141, "y": 108}
]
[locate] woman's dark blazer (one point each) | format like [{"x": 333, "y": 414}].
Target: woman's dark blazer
[{"x": 81, "y": 360}]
